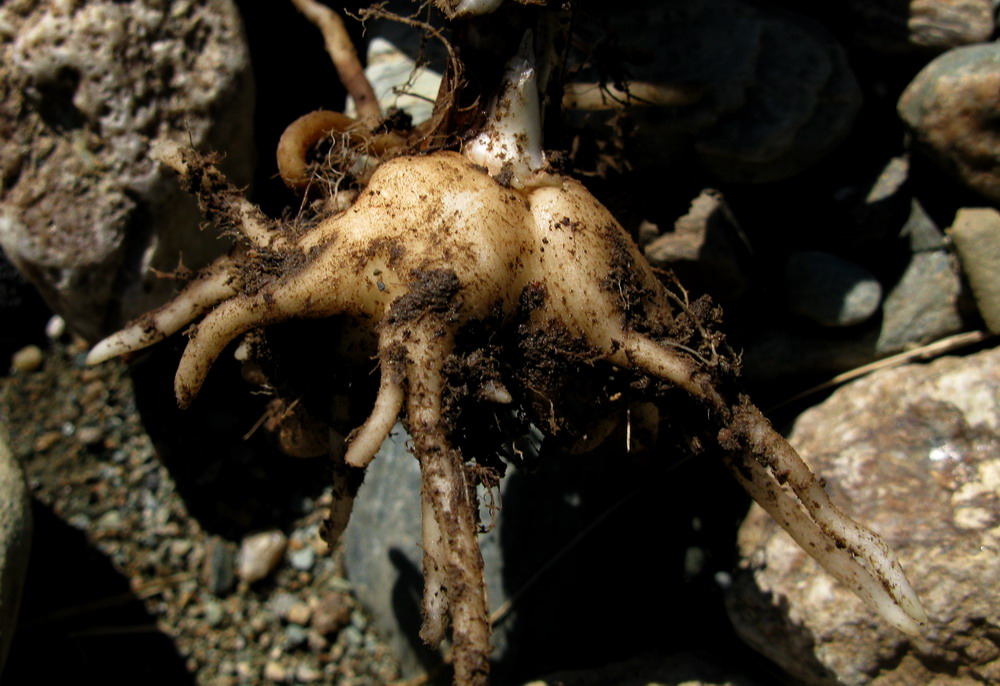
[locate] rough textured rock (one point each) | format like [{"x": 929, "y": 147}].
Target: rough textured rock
[
  {"x": 829, "y": 290},
  {"x": 951, "y": 108},
  {"x": 976, "y": 233},
  {"x": 86, "y": 89},
  {"x": 919, "y": 25},
  {"x": 913, "y": 452},
  {"x": 15, "y": 542},
  {"x": 706, "y": 249},
  {"x": 924, "y": 305}
]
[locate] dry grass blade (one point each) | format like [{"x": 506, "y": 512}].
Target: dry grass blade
[{"x": 924, "y": 352}]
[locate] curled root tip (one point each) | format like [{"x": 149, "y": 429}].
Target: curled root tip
[
  {"x": 112, "y": 346},
  {"x": 366, "y": 441}
]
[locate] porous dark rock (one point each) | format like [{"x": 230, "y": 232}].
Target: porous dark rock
[
  {"x": 86, "y": 90},
  {"x": 950, "y": 107},
  {"x": 913, "y": 452}
]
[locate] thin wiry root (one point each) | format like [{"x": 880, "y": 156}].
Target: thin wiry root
[
  {"x": 816, "y": 524},
  {"x": 607, "y": 96},
  {"x": 345, "y": 59},
  {"x": 214, "y": 285}
]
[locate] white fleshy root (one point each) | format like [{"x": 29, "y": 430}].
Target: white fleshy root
[
  {"x": 854, "y": 555},
  {"x": 511, "y": 144},
  {"x": 369, "y": 436},
  {"x": 214, "y": 286},
  {"x": 250, "y": 221}
]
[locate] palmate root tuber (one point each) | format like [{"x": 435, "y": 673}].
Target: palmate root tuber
[{"x": 488, "y": 253}]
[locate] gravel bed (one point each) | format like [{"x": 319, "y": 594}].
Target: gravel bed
[{"x": 128, "y": 583}]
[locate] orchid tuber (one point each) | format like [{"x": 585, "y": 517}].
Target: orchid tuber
[{"x": 485, "y": 252}]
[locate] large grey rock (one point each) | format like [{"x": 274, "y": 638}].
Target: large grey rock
[
  {"x": 15, "y": 542},
  {"x": 914, "y": 452},
  {"x": 382, "y": 553},
  {"x": 900, "y": 26},
  {"x": 86, "y": 90},
  {"x": 777, "y": 93},
  {"x": 951, "y": 108}
]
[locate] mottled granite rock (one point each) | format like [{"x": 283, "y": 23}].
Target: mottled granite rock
[
  {"x": 950, "y": 106},
  {"x": 86, "y": 90},
  {"x": 914, "y": 452}
]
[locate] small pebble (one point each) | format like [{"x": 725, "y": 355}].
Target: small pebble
[
  {"x": 27, "y": 359},
  {"x": 275, "y": 672},
  {"x": 90, "y": 435},
  {"x": 260, "y": 554},
  {"x": 295, "y": 636},
  {"x": 303, "y": 559},
  {"x": 830, "y": 291},
  {"x": 299, "y": 613},
  {"x": 281, "y": 603},
  {"x": 55, "y": 328},
  {"x": 214, "y": 613},
  {"x": 218, "y": 570},
  {"x": 307, "y": 674},
  {"x": 331, "y": 614}
]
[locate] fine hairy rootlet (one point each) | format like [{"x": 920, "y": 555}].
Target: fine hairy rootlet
[{"x": 477, "y": 276}]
